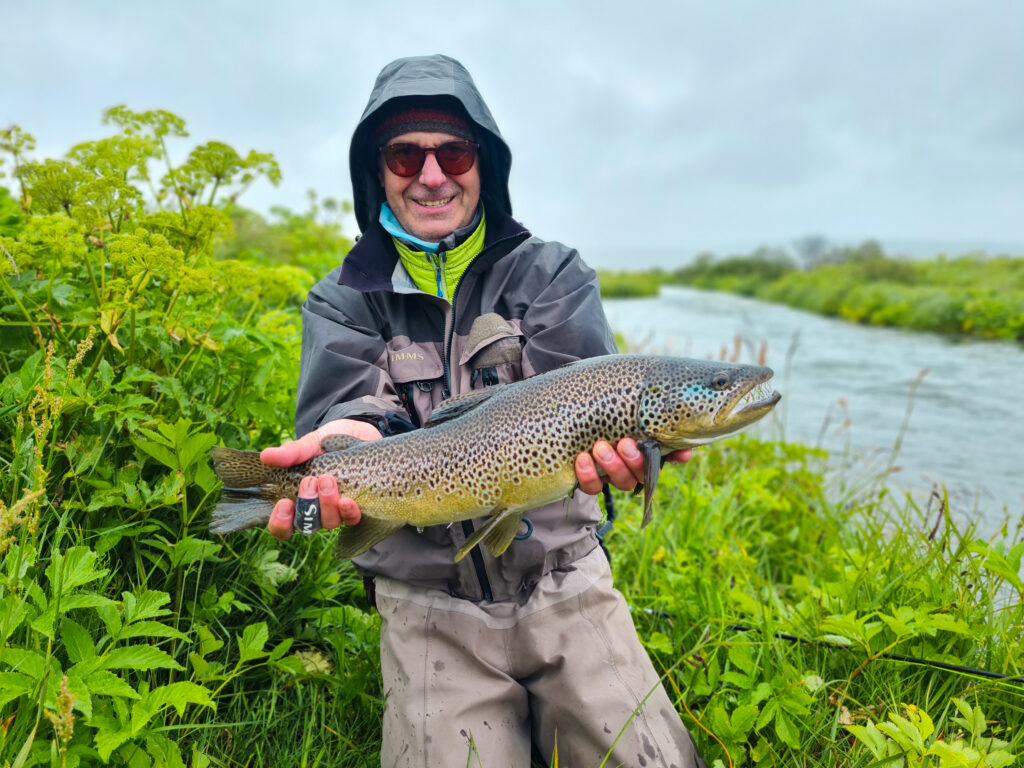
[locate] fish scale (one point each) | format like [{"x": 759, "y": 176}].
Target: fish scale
[{"x": 506, "y": 449}]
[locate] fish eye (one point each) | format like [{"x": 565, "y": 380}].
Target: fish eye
[{"x": 719, "y": 381}]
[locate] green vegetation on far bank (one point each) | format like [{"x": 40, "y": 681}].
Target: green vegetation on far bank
[
  {"x": 145, "y": 318},
  {"x": 967, "y": 295}
]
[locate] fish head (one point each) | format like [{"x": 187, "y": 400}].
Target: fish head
[{"x": 686, "y": 403}]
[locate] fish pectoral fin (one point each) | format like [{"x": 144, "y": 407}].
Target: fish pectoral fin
[
  {"x": 354, "y": 540},
  {"x": 496, "y": 534},
  {"x": 651, "y": 451},
  {"x": 458, "y": 405},
  {"x": 333, "y": 443}
]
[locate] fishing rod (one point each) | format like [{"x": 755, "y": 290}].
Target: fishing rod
[{"x": 885, "y": 655}]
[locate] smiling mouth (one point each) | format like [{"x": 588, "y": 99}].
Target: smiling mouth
[{"x": 435, "y": 203}]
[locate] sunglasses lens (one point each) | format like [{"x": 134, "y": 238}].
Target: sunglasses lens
[
  {"x": 456, "y": 157},
  {"x": 404, "y": 159}
]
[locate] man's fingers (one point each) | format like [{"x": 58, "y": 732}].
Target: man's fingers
[
  {"x": 349, "y": 511},
  {"x": 619, "y": 473},
  {"x": 293, "y": 452},
  {"x": 281, "y": 519},
  {"x": 330, "y": 503},
  {"x": 680, "y": 457},
  {"x": 586, "y": 474}
]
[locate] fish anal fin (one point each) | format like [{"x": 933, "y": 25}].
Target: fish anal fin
[
  {"x": 458, "y": 405},
  {"x": 651, "y": 451},
  {"x": 333, "y": 443},
  {"x": 501, "y": 533},
  {"x": 354, "y": 540},
  {"x": 497, "y": 533}
]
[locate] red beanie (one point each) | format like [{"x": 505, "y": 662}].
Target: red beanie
[{"x": 422, "y": 119}]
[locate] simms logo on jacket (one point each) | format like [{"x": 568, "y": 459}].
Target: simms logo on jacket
[{"x": 395, "y": 356}]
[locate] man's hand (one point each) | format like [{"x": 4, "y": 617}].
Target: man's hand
[
  {"x": 334, "y": 509},
  {"x": 624, "y": 465}
]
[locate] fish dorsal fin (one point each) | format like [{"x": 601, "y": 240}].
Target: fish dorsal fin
[
  {"x": 333, "y": 443},
  {"x": 496, "y": 534},
  {"x": 456, "y": 406}
]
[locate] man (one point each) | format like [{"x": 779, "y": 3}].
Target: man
[{"x": 445, "y": 293}]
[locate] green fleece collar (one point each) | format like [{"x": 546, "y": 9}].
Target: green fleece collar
[{"x": 439, "y": 273}]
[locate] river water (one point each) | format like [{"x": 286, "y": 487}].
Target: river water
[{"x": 847, "y": 388}]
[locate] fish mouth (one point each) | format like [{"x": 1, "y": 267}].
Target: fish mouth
[{"x": 752, "y": 400}]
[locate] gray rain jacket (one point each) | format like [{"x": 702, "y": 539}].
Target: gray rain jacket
[{"x": 378, "y": 349}]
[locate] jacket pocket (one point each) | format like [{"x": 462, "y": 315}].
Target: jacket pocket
[
  {"x": 493, "y": 353},
  {"x": 417, "y": 373}
]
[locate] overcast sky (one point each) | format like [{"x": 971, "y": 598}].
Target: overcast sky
[{"x": 640, "y": 131}]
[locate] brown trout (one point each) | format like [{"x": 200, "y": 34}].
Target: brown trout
[{"x": 507, "y": 449}]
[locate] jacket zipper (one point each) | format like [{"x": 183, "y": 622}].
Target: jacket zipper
[{"x": 439, "y": 260}]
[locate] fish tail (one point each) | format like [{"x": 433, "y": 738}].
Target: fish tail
[{"x": 249, "y": 491}]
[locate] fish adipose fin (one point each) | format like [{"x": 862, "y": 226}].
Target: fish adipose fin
[
  {"x": 333, "y": 443},
  {"x": 354, "y": 540},
  {"x": 496, "y": 534},
  {"x": 651, "y": 451},
  {"x": 458, "y": 405}
]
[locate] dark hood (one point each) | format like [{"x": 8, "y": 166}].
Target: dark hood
[{"x": 440, "y": 81}]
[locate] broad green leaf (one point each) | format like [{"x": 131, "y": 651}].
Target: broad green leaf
[
  {"x": 973, "y": 720},
  {"x": 85, "y": 600},
  {"x": 72, "y": 569},
  {"x": 12, "y": 613},
  {"x": 743, "y": 719},
  {"x": 107, "y": 741},
  {"x": 837, "y": 640},
  {"x": 80, "y": 690},
  {"x": 195, "y": 447},
  {"x": 250, "y": 644},
  {"x": 165, "y": 753},
  {"x": 1000, "y": 759},
  {"x": 29, "y": 662},
  {"x": 77, "y": 641},
  {"x": 139, "y": 657},
  {"x": 13, "y": 685},
  {"x": 149, "y": 629},
  {"x": 105, "y": 683},
  {"x": 208, "y": 642},
  {"x": 189, "y": 549},
  {"x": 178, "y": 695},
  {"x": 659, "y": 642},
  {"x": 769, "y": 711},
  {"x": 161, "y": 453},
  {"x": 872, "y": 738},
  {"x": 786, "y": 731},
  {"x": 147, "y": 604},
  {"x": 281, "y": 649}
]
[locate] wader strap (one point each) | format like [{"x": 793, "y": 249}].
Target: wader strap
[
  {"x": 371, "y": 592},
  {"x": 609, "y": 521}
]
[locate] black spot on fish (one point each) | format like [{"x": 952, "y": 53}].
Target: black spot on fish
[{"x": 438, "y": 666}]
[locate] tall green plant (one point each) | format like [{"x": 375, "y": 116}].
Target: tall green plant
[{"x": 126, "y": 351}]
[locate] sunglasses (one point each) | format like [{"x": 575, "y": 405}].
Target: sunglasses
[{"x": 454, "y": 157}]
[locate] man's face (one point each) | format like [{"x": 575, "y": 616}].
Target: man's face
[{"x": 431, "y": 204}]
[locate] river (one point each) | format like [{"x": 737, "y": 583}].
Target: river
[{"x": 847, "y": 388}]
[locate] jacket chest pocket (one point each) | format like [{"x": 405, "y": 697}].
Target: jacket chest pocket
[
  {"x": 418, "y": 374},
  {"x": 493, "y": 353}
]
